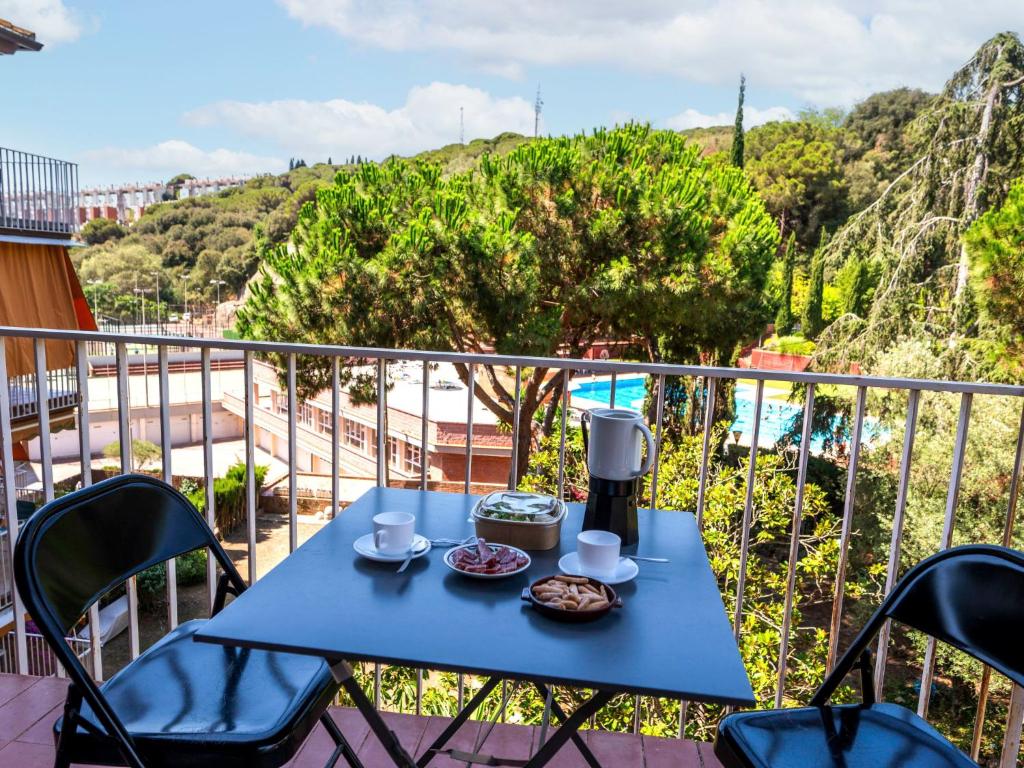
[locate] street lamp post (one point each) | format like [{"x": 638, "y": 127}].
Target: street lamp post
[
  {"x": 184, "y": 279},
  {"x": 218, "y": 283},
  {"x": 95, "y": 283},
  {"x": 157, "y": 276}
]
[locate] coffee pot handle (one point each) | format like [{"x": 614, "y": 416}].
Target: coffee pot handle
[
  {"x": 649, "y": 459},
  {"x": 586, "y": 432}
]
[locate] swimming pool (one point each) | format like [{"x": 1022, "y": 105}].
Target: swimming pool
[{"x": 776, "y": 415}]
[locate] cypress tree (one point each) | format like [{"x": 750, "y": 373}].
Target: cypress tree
[
  {"x": 784, "y": 317},
  {"x": 737, "y": 131},
  {"x": 811, "y": 320}
]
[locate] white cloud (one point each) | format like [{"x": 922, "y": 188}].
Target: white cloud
[
  {"x": 691, "y": 118},
  {"x": 163, "y": 160},
  {"x": 51, "y": 20},
  {"x": 829, "y": 52},
  {"x": 429, "y": 118}
]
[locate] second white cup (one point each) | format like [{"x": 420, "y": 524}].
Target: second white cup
[
  {"x": 393, "y": 532},
  {"x": 598, "y": 551}
]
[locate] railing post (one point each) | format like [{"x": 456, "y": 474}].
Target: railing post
[
  {"x": 1014, "y": 721},
  {"x": 43, "y": 416},
  {"x": 424, "y": 457},
  {"x": 293, "y": 448},
  {"x": 659, "y": 421},
  {"x": 748, "y": 511},
  {"x": 124, "y": 413},
  {"x": 250, "y": 464},
  {"x": 85, "y": 462},
  {"x": 335, "y": 436},
  {"x": 167, "y": 471},
  {"x": 709, "y": 417},
  {"x": 893, "y": 568},
  {"x": 794, "y": 543},
  {"x": 561, "y": 439},
  {"x": 513, "y": 482},
  {"x": 471, "y": 394},
  {"x": 211, "y": 499},
  {"x": 847, "y": 531},
  {"x": 11, "y": 507},
  {"x": 952, "y": 497}
]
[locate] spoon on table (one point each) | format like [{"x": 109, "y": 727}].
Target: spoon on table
[
  {"x": 648, "y": 559},
  {"x": 413, "y": 551}
]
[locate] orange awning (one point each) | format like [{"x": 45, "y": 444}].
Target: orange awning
[{"x": 39, "y": 289}]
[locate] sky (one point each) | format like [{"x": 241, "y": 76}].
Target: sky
[{"x": 141, "y": 91}]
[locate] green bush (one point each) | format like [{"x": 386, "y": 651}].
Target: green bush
[
  {"x": 152, "y": 582},
  {"x": 228, "y": 496}
]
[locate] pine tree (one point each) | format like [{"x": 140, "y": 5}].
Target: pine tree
[
  {"x": 329, "y": 160},
  {"x": 737, "y": 131},
  {"x": 291, "y": 163},
  {"x": 784, "y": 317},
  {"x": 811, "y": 321}
]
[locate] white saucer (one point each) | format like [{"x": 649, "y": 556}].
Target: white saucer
[
  {"x": 364, "y": 546},
  {"x": 625, "y": 571}
]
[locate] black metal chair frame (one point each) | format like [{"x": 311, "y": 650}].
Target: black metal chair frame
[
  {"x": 858, "y": 655},
  {"x": 82, "y": 687}
]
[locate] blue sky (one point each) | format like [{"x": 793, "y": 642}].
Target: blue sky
[{"x": 140, "y": 91}]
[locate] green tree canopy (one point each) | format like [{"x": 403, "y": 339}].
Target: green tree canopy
[
  {"x": 620, "y": 234},
  {"x": 968, "y": 147},
  {"x": 996, "y": 245},
  {"x": 100, "y": 230},
  {"x": 797, "y": 168}
]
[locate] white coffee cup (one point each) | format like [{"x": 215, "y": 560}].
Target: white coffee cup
[
  {"x": 598, "y": 551},
  {"x": 393, "y": 532}
]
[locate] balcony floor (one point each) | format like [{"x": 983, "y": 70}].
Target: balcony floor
[{"x": 29, "y": 705}]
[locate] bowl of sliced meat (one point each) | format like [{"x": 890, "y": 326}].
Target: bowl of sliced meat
[{"x": 486, "y": 561}]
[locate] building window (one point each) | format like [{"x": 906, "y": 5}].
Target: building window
[
  {"x": 325, "y": 421},
  {"x": 412, "y": 459},
  {"x": 355, "y": 435},
  {"x": 371, "y": 437},
  {"x": 280, "y": 404},
  {"x": 305, "y": 414},
  {"x": 394, "y": 452}
]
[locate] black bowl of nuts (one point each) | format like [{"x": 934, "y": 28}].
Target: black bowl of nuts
[{"x": 571, "y": 598}]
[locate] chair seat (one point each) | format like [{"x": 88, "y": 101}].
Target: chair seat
[
  {"x": 853, "y": 736},
  {"x": 190, "y": 704}
]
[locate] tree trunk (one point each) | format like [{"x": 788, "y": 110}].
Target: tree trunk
[
  {"x": 551, "y": 409},
  {"x": 978, "y": 171}
]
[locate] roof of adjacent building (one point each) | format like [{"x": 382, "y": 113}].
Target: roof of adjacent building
[{"x": 14, "y": 38}]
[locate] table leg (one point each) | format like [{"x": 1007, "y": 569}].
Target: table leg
[
  {"x": 458, "y": 721},
  {"x": 342, "y": 672},
  {"x": 568, "y": 729},
  {"x": 557, "y": 711}
]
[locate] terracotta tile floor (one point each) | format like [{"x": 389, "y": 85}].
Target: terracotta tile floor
[{"x": 29, "y": 705}]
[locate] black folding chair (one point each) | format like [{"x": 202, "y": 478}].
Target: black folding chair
[
  {"x": 180, "y": 703},
  {"x": 970, "y": 597}
]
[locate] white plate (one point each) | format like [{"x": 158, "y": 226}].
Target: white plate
[
  {"x": 364, "y": 546},
  {"x": 453, "y": 550},
  {"x": 625, "y": 571}
]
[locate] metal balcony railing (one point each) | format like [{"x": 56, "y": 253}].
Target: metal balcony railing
[
  {"x": 61, "y": 393},
  {"x": 38, "y": 195},
  {"x": 520, "y": 369}
]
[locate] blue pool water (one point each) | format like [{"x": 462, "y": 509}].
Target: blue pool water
[{"x": 776, "y": 416}]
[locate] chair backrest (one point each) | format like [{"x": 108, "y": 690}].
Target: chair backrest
[
  {"x": 972, "y": 598},
  {"x": 77, "y": 548}
]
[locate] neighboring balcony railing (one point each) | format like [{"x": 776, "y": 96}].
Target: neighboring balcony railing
[
  {"x": 706, "y": 380},
  {"x": 38, "y": 195},
  {"x": 61, "y": 393}
]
